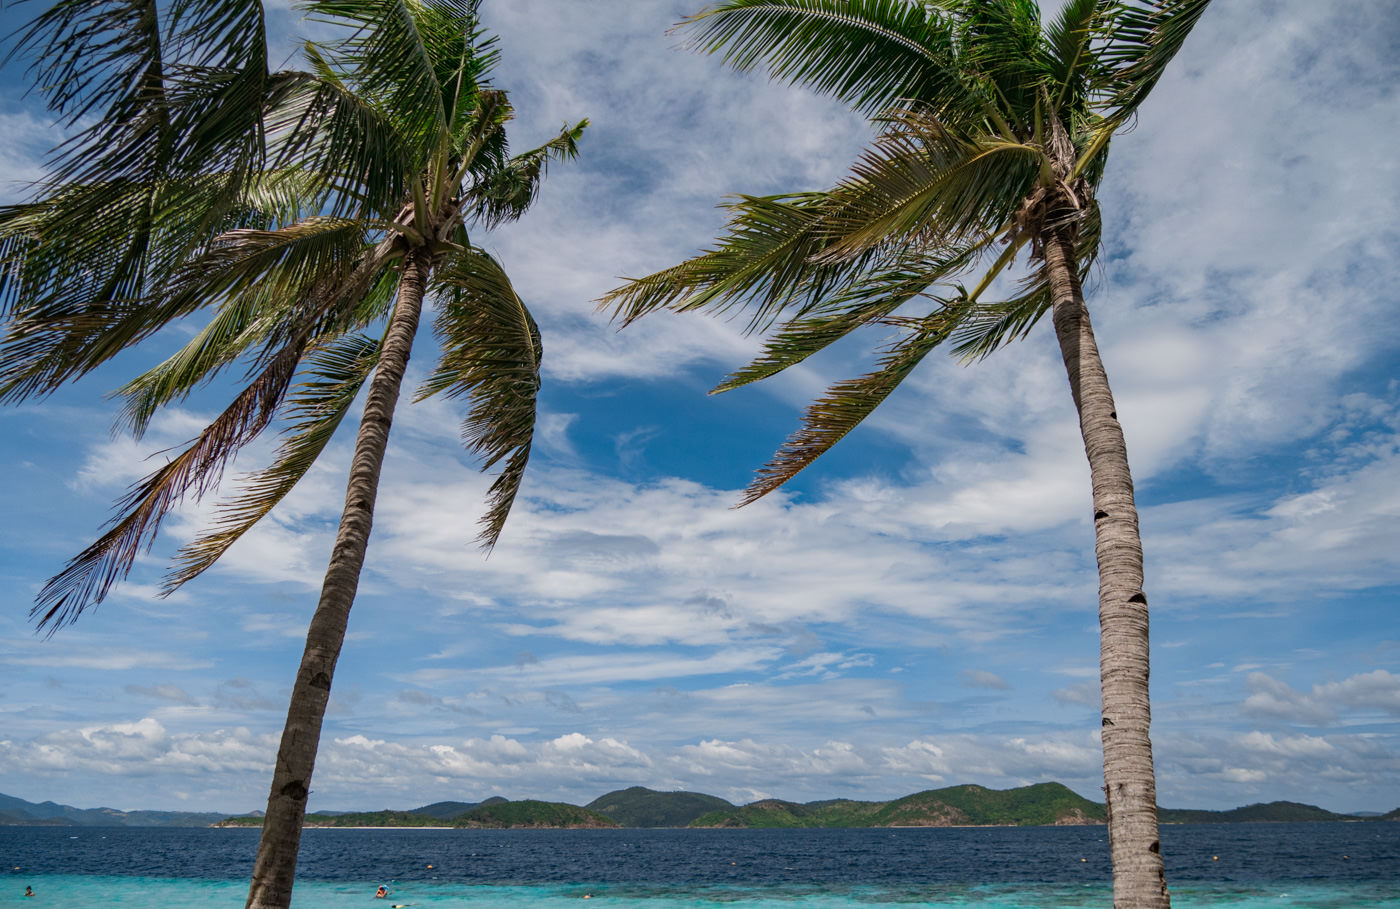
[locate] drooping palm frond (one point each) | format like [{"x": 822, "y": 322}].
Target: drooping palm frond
[
  {"x": 89, "y": 576},
  {"x": 766, "y": 257},
  {"x": 77, "y": 269},
  {"x": 830, "y": 418},
  {"x": 870, "y": 54},
  {"x": 491, "y": 355},
  {"x": 167, "y": 89},
  {"x": 868, "y": 298},
  {"x": 316, "y": 407},
  {"x": 166, "y": 100},
  {"x": 265, "y": 282},
  {"x": 923, "y": 185}
]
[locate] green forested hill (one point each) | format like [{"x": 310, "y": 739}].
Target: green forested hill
[
  {"x": 1272, "y": 811},
  {"x": 529, "y": 813},
  {"x": 449, "y": 810},
  {"x": 778, "y": 813},
  {"x": 1039, "y": 805},
  {"x": 642, "y": 807},
  {"x": 1044, "y": 803}
]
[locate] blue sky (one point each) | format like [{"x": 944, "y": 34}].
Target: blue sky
[{"x": 916, "y": 610}]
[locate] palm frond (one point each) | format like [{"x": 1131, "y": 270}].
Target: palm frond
[
  {"x": 463, "y": 54},
  {"x": 767, "y": 259},
  {"x": 869, "y": 54},
  {"x": 491, "y": 355},
  {"x": 316, "y": 407},
  {"x": 78, "y": 267},
  {"x": 999, "y": 46},
  {"x": 389, "y": 56},
  {"x": 847, "y": 403},
  {"x": 505, "y": 192},
  {"x": 922, "y": 184},
  {"x": 158, "y": 93},
  {"x": 88, "y": 577},
  {"x": 479, "y": 144},
  {"x": 167, "y": 90},
  {"x": 987, "y": 327},
  {"x": 1138, "y": 38},
  {"x": 265, "y": 281},
  {"x": 319, "y": 127},
  {"x": 865, "y": 300},
  {"x": 1070, "y": 56}
]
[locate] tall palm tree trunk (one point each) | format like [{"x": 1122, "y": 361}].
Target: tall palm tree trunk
[
  {"x": 296, "y": 757},
  {"x": 1129, "y": 784}
]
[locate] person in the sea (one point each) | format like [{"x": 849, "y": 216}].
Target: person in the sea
[
  {"x": 381, "y": 893},
  {"x": 28, "y": 891}
]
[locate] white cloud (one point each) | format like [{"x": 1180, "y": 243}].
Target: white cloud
[{"x": 1364, "y": 694}]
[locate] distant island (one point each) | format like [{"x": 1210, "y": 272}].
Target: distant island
[{"x": 1043, "y": 804}]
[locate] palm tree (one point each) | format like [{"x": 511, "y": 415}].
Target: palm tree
[
  {"x": 993, "y": 135},
  {"x": 308, "y": 215}
]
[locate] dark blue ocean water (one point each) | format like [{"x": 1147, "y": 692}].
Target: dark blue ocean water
[{"x": 1242, "y": 866}]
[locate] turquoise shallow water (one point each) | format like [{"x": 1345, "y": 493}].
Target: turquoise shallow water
[{"x": 83, "y": 891}]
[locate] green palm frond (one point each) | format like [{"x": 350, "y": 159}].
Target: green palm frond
[
  {"x": 196, "y": 179},
  {"x": 1138, "y": 39},
  {"x": 324, "y": 130},
  {"x": 868, "y": 298},
  {"x": 870, "y": 54},
  {"x": 987, "y": 327},
  {"x": 390, "y": 57},
  {"x": 829, "y": 419},
  {"x": 767, "y": 258},
  {"x": 491, "y": 355},
  {"x": 266, "y": 281},
  {"x": 921, "y": 184},
  {"x": 462, "y": 52},
  {"x": 1070, "y": 57},
  {"x": 89, "y": 576},
  {"x": 167, "y": 89},
  {"x": 316, "y": 407},
  {"x": 999, "y": 48},
  {"x": 479, "y": 143},
  {"x": 78, "y": 267},
  {"x": 505, "y": 192}
]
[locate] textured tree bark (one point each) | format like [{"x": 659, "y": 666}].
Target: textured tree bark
[
  {"x": 1130, "y": 788},
  {"x": 276, "y": 863}
]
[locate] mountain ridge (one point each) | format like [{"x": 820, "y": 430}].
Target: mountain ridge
[{"x": 637, "y": 806}]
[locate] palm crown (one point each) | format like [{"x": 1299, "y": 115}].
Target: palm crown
[
  {"x": 993, "y": 134},
  {"x": 288, "y": 206}
]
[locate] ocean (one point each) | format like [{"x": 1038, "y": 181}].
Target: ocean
[{"x": 1241, "y": 866}]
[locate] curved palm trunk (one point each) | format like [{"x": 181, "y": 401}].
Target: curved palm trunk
[
  {"x": 1129, "y": 784},
  {"x": 291, "y": 780}
]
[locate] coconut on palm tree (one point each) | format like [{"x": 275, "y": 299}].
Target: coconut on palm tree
[
  {"x": 304, "y": 218},
  {"x": 993, "y": 133}
]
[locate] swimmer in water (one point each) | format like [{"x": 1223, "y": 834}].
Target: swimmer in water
[
  {"x": 381, "y": 893},
  {"x": 28, "y": 891}
]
